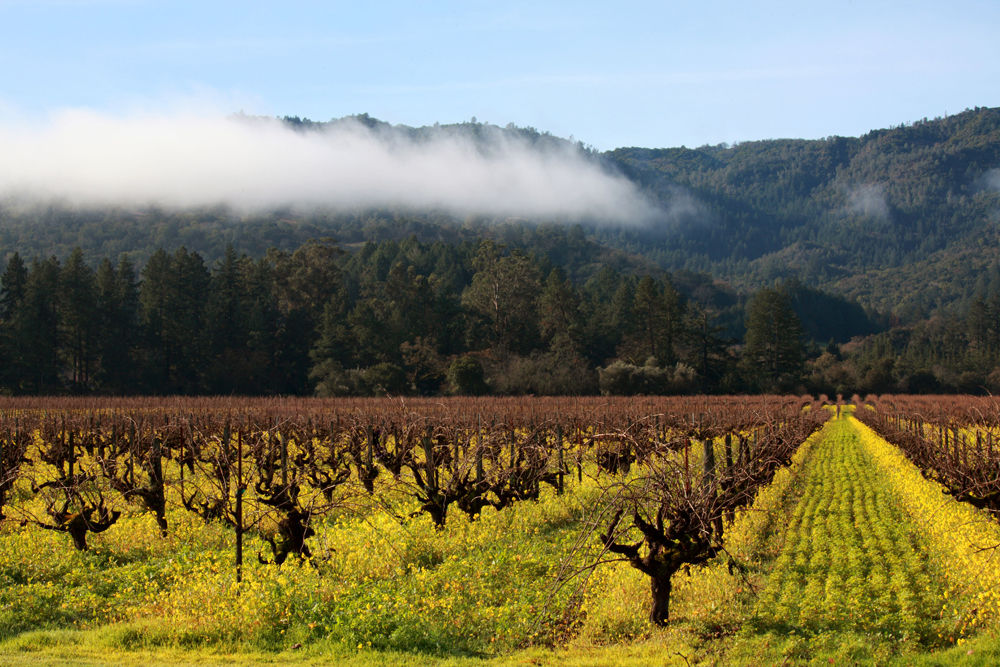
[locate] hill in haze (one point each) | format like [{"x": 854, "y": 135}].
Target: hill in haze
[
  {"x": 901, "y": 219},
  {"x": 904, "y": 219}
]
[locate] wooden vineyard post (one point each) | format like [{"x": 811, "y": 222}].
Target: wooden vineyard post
[
  {"x": 513, "y": 449},
  {"x": 370, "y": 449},
  {"x": 114, "y": 440},
  {"x": 284, "y": 460},
  {"x": 562, "y": 466},
  {"x": 72, "y": 448},
  {"x": 954, "y": 447},
  {"x": 687, "y": 467},
  {"x": 429, "y": 467},
  {"x": 730, "y": 514},
  {"x": 158, "y": 498},
  {"x": 240, "y": 489},
  {"x": 965, "y": 450},
  {"x": 687, "y": 463},
  {"x": 708, "y": 479},
  {"x": 479, "y": 447},
  {"x": 181, "y": 459}
]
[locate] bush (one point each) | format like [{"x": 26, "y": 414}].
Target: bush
[
  {"x": 624, "y": 379},
  {"x": 466, "y": 377},
  {"x": 545, "y": 374},
  {"x": 377, "y": 380},
  {"x": 384, "y": 378}
]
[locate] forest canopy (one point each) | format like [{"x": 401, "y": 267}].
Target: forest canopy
[
  {"x": 393, "y": 318},
  {"x": 128, "y": 297}
]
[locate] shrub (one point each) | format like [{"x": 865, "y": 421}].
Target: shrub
[{"x": 466, "y": 377}]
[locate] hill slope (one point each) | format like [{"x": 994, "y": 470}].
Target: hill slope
[
  {"x": 839, "y": 212},
  {"x": 870, "y": 218}
]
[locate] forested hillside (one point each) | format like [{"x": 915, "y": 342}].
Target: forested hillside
[
  {"x": 902, "y": 218},
  {"x": 869, "y": 217},
  {"x": 892, "y": 234}
]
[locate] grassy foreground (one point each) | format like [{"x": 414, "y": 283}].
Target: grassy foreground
[{"x": 850, "y": 556}]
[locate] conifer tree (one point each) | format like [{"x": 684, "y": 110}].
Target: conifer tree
[{"x": 773, "y": 354}]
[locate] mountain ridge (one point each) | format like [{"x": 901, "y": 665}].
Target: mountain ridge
[
  {"x": 889, "y": 199},
  {"x": 863, "y": 217}
]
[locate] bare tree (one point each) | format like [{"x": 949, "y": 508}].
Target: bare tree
[
  {"x": 677, "y": 513},
  {"x": 76, "y": 502},
  {"x": 133, "y": 465},
  {"x": 13, "y": 450}
]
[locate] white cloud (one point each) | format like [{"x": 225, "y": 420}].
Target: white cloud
[
  {"x": 992, "y": 179},
  {"x": 868, "y": 201},
  {"x": 186, "y": 159}
]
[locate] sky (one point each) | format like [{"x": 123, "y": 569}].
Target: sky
[{"x": 655, "y": 74}]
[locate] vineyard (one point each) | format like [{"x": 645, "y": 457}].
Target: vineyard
[{"x": 678, "y": 530}]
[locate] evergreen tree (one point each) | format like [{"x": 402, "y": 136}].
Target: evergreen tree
[
  {"x": 12, "y": 287},
  {"x": 36, "y": 331},
  {"x": 504, "y": 291},
  {"x": 559, "y": 314},
  {"x": 329, "y": 352},
  {"x": 185, "y": 328},
  {"x": 173, "y": 297},
  {"x": 229, "y": 370},
  {"x": 304, "y": 283},
  {"x": 154, "y": 299},
  {"x": 704, "y": 347},
  {"x": 600, "y": 332},
  {"x": 655, "y": 316},
  {"x": 78, "y": 317},
  {"x": 119, "y": 326},
  {"x": 264, "y": 323},
  {"x": 773, "y": 353}
]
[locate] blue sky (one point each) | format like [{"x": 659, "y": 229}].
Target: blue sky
[{"x": 609, "y": 74}]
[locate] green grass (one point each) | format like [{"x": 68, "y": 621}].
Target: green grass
[
  {"x": 477, "y": 588},
  {"x": 851, "y": 560}
]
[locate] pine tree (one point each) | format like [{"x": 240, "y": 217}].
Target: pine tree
[
  {"x": 118, "y": 323},
  {"x": 655, "y": 321},
  {"x": 36, "y": 331},
  {"x": 773, "y": 354},
  {"x": 78, "y": 317},
  {"x": 12, "y": 287},
  {"x": 559, "y": 314}
]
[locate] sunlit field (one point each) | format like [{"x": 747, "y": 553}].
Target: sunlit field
[{"x": 486, "y": 530}]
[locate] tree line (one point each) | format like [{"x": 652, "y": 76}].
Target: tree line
[
  {"x": 397, "y": 318},
  {"x": 829, "y": 210},
  {"x": 958, "y": 352}
]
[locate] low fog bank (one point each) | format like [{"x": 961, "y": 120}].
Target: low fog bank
[
  {"x": 251, "y": 163},
  {"x": 992, "y": 179},
  {"x": 868, "y": 201}
]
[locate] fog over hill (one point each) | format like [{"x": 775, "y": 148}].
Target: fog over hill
[
  {"x": 868, "y": 217},
  {"x": 254, "y": 164}
]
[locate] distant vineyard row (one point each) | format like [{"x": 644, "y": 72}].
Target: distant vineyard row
[{"x": 954, "y": 440}]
